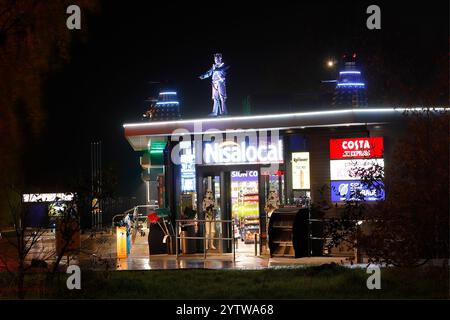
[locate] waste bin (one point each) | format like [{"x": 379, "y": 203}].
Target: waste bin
[
  {"x": 155, "y": 240},
  {"x": 188, "y": 245}
]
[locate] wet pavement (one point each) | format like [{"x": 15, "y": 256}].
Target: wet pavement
[
  {"x": 245, "y": 259},
  {"x": 98, "y": 252},
  {"x": 242, "y": 262}
]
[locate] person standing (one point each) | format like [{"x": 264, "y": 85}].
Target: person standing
[{"x": 127, "y": 222}]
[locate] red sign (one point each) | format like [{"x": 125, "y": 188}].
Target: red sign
[{"x": 356, "y": 148}]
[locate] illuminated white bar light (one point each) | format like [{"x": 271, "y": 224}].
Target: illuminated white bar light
[
  {"x": 281, "y": 116},
  {"x": 164, "y": 103},
  {"x": 351, "y": 84},
  {"x": 167, "y": 93},
  {"x": 350, "y": 72}
]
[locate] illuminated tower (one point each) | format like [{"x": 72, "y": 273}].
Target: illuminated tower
[
  {"x": 165, "y": 107},
  {"x": 350, "y": 91}
]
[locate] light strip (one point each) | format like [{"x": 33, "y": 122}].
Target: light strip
[
  {"x": 351, "y": 84},
  {"x": 278, "y": 116},
  {"x": 233, "y": 131},
  {"x": 162, "y": 103},
  {"x": 167, "y": 93},
  {"x": 350, "y": 72}
]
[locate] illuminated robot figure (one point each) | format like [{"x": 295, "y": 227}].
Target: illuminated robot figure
[{"x": 219, "y": 92}]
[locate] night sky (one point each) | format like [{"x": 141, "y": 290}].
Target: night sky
[{"x": 277, "y": 53}]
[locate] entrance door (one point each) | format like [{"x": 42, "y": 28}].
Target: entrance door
[
  {"x": 245, "y": 208},
  {"x": 235, "y": 196},
  {"x": 214, "y": 192},
  {"x": 211, "y": 202}
]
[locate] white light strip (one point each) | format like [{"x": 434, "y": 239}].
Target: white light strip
[
  {"x": 351, "y": 84},
  {"x": 166, "y": 102},
  {"x": 278, "y": 116},
  {"x": 265, "y": 129},
  {"x": 167, "y": 93},
  {"x": 350, "y": 72},
  {"x": 147, "y": 189}
]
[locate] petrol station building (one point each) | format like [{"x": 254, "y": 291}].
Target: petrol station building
[{"x": 247, "y": 161}]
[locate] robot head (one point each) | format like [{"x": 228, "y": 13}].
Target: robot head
[{"x": 218, "y": 58}]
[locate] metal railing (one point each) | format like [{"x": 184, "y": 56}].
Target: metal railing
[
  {"x": 205, "y": 238},
  {"x": 257, "y": 235},
  {"x": 134, "y": 210}
]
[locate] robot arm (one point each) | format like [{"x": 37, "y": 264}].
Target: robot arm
[{"x": 207, "y": 74}]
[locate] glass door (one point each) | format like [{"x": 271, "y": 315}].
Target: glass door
[
  {"x": 245, "y": 208},
  {"x": 212, "y": 212}
]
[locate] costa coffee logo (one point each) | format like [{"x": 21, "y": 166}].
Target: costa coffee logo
[{"x": 356, "y": 148}]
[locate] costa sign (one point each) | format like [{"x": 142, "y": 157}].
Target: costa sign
[{"x": 356, "y": 148}]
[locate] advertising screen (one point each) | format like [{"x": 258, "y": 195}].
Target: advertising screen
[
  {"x": 347, "y": 169},
  {"x": 356, "y": 190},
  {"x": 300, "y": 170},
  {"x": 244, "y": 193}
]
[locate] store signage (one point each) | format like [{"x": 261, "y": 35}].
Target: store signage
[
  {"x": 356, "y": 190},
  {"x": 188, "y": 184},
  {"x": 187, "y": 171},
  {"x": 244, "y": 175},
  {"x": 356, "y": 148},
  {"x": 233, "y": 153},
  {"x": 300, "y": 170},
  {"x": 346, "y": 169}
]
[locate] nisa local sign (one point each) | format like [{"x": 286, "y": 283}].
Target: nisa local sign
[
  {"x": 356, "y": 190},
  {"x": 356, "y": 148},
  {"x": 230, "y": 152}
]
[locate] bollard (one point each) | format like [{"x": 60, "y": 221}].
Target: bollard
[{"x": 256, "y": 244}]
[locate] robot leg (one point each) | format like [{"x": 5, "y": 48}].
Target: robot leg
[
  {"x": 223, "y": 97},
  {"x": 216, "y": 99}
]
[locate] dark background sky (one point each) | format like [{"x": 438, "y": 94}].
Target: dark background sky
[{"x": 277, "y": 53}]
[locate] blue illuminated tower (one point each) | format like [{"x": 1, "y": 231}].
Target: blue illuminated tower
[
  {"x": 350, "y": 91},
  {"x": 165, "y": 107}
]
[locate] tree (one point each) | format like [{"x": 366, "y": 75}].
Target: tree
[
  {"x": 21, "y": 241},
  {"x": 26, "y": 242},
  {"x": 412, "y": 225},
  {"x": 34, "y": 41},
  {"x": 346, "y": 227},
  {"x": 67, "y": 235}
]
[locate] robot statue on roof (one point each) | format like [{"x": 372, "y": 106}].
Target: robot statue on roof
[{"x": 219, "y": 92}]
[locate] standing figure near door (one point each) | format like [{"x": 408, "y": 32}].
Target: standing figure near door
[
  {"x": 219, "y": 90},
  {"x": 210, "y": 225}
]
